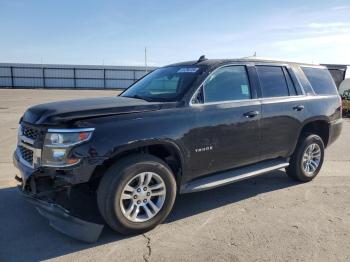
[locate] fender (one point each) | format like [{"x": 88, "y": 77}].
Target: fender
[
  {"x": 96, "y": 159},
  {"x": 134, "y": 145},
  {"x": 306, "y": 122},
  {"x": 313, "y": 119}
]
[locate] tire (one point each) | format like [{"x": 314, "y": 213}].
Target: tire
[
  {"x": 130, "y": 171},
  {"x": 297, "y": 169}
]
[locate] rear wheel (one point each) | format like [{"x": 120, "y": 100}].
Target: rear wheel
[
  {"x": 136, "y": 194},
  {"x": 307, "y": 159}
]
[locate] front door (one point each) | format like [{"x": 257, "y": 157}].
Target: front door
[{"x": 227, "y": 119}]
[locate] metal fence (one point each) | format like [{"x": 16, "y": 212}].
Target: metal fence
[{"x": 69, "y": 76}]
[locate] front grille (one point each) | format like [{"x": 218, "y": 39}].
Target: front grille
[
  {"x": 26, "y": 154},
  {"x": 30, "y": 132}
]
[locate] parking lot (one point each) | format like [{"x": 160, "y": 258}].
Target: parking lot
[{"x": 267, "y": 218}]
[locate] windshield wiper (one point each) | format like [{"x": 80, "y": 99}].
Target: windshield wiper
[{"x": 138, "y": 97}]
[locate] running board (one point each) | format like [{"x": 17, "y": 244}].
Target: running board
[{"x": 231, "y": 176}]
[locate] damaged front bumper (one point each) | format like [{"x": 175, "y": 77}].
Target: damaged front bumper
[
  {"x": 58, "y": 216},
  {"x": 60, "y": 219}
]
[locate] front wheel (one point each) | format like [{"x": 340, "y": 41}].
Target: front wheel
[
  {"x": 307, "y": 159},
  {"x": 136, "y": 194}
]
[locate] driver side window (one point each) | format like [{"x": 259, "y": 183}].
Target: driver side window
[{"x": 228, "y": 83}]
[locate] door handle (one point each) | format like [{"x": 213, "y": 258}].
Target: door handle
[
  {"x": 251, "y": 114},
  {"x": 298, "y": 107}
]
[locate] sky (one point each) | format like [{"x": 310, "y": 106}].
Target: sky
[{"x": 117, "y": 32}]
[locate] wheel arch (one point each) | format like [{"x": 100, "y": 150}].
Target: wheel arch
[
  {"x": 319, "y": 126},
  {"x": 167, "y": 150}
]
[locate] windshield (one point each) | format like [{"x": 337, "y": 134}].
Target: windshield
[{"x": 164, "y": 84}]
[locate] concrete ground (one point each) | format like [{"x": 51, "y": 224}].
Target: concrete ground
[{"x": 268, "y": 218}]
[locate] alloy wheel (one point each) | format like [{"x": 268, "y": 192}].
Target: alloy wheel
[
  {"x": 143, "y": 197},
  {"x": 311, "y": 159}
]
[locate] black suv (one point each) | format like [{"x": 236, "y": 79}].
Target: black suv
[{"x": 182, "y": 128}]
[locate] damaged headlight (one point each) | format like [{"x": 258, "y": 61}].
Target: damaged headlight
[{"x": 59, "y": 142}]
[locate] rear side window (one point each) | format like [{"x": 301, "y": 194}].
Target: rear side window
[
  {"x": 227, "y": 84},
  {"x": 272, "y": 81},
  {"x": 321, "y": 80}
]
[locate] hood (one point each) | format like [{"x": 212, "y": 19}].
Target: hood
[{"x": 63, "y": 111}]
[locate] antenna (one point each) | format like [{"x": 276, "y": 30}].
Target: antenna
[{"x": 202, "y": 58}]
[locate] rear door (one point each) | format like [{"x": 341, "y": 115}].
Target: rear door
[
  {"x": 283, "y": 110},
  {"x": 227, "y": 116}
]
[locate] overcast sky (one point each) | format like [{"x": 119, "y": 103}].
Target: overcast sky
[{"x": 116, "y": 32}]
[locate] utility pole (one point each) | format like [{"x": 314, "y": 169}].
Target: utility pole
[
  {"x": 146, "y": 60},
  {"x": 43, "y": 71}
]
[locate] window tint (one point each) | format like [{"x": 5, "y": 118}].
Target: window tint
[
  {"x": 226, "y": 84},
  {"x": 272, "y": 81},
  {"x": 321, "y": 80}
]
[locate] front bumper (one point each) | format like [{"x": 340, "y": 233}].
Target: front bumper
[
  {"x": 61, "y": 219},
  {"x": 58, "y": 216}
]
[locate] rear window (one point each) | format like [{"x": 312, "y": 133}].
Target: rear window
[
  {"x": 321, "y": 80},
  {"x": 272, "y": 81}
]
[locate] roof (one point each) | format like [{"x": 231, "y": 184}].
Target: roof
[{"x": 213, "y": 62}]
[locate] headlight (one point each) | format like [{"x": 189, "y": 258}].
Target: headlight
[{"x": 58, "y": 144}]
